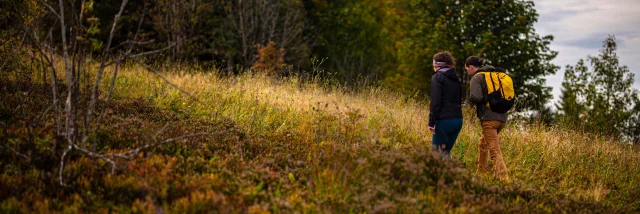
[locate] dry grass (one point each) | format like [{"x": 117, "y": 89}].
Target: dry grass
[
  {"x": 559, "y": 160},
  {"x": 314, "y": 141}
]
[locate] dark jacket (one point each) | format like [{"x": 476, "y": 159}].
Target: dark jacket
[
  {"x": 478, "y": 96},
  {"x": 445, "y": 96}
]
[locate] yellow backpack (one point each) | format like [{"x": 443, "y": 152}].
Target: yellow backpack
[{"x": 500, "y": 93}]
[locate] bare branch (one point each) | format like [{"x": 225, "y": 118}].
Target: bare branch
[
  {"x": 51, "y": 9},
  {"x": 68, "y": 105},
  {"x": 129, "y": 154},
  {"x": 152, "y": 52},
  {"x": 68, "y": 129},
  {"x": 37, "y": 120},
  {"x": 113, "y": 83},
  {"x": 144, "y": 11},
  {"x": 113, "y": 26},
  {"x": 161, "y": 130},
  {"x": 41, "y": 43},
  {"x": 97, "y": 155},
  {"x": 36, "y": 40},
  {"x": 18, "y": 153},
  {"x": 86, "y": 152},
  {"x": 5, "y": 41},
  {"x": 81, "y": 12},
  {"x": 62, "y": 163},
  {"x": 125, "y": 56},
  {"x": 135, "y": 37},
  {"x": 132, "y": 42},
  {"x": 154, "y": 71},
  {"x": 94, "y": 94},
  {"x": 54, "y": 85},
  {"x": 15, "y": 50}
]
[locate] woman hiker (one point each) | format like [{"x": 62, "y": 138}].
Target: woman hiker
[{"x": 445, "y": 114}]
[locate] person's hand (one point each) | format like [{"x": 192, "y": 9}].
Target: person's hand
[{"x": 432, "y": 129}]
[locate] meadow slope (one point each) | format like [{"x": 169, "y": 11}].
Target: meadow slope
[{"x": 287, "y": 145}]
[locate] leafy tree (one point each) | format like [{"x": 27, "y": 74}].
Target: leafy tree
[
  {"x": 354, "y": 36},
  {"x": 500, "y": 31},
  {"x": 602, "y": 100},
  {"x": 15, "y": 17}
]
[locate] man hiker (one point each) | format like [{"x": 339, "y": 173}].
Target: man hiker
[{"x": 491, "y": 121}]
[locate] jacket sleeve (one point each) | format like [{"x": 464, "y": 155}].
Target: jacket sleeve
[
  {"x": 436, "y": 100},
  {"x": 475, "y": 94}
]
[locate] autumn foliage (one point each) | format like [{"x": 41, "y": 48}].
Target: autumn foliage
[
  {"x": 269, "y": 58},
  {"x": 281, "y": 145}
]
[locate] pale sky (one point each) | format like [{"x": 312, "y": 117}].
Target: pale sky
[{"x": 580, "y": 26}]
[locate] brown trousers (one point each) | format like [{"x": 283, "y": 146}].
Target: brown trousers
[{"x": 489, "y": 146}]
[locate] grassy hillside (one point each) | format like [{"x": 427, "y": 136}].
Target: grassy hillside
[{"x": 284, "y": 145}]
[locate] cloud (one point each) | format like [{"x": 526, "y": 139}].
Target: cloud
[
  {"x": 554, "y": 13},
  {"x": 591, "y": 42}
]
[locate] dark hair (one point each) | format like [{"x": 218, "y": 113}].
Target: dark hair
[
  {"x": 445, "y": 57},
  {"x": 475, "y": 61}
]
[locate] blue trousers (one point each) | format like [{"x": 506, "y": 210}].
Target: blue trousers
[{"x": 445, "y": 137}]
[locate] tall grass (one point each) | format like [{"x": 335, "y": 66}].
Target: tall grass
[
  {"x": 287, "y": 144},
  {"x": 552, "y": 159}
]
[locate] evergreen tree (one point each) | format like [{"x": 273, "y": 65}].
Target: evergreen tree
[
  {"x": 602, "y": 100},
  {"x": 500, "y": 31}
]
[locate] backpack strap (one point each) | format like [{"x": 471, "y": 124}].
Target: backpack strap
[
  {"x": 501, "y": 88},
  {"x": 492, "y": 83},
  {"x": 499, "y": 81}
]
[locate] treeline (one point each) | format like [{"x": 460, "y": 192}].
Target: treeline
[{"x": 390, "y": 42}]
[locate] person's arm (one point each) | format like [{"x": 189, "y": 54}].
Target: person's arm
[
  {"x": 436, "y": 99},
  {"x": 475, "y": 89}
]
